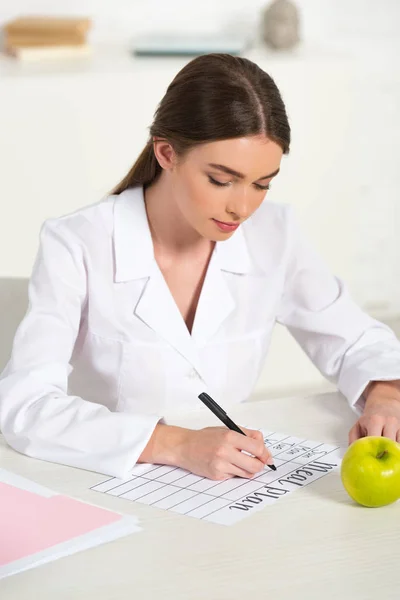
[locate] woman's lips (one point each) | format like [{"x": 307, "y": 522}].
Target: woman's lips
[{"x": 226, "y": 226}]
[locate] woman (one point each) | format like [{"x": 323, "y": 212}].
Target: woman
[{"x": 171, "y": 286}]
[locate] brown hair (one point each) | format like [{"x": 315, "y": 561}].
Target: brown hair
[{"x": 214, "y": 97}]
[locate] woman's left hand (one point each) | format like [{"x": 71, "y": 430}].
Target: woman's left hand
[{"x": 381, "y": 414}]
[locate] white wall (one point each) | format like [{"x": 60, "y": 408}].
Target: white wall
[{"x": 322, "y": 19}]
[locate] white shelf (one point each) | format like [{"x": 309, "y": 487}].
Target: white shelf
[{"x": 112, "y": 59}]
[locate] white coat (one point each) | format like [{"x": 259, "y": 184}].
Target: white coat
[{"x": 103, "y": 352}]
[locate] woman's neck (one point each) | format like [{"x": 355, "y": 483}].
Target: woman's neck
[{"x": 170, "y": 231}]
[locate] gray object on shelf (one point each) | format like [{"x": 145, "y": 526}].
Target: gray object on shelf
[{"x": 280, "y": 25}]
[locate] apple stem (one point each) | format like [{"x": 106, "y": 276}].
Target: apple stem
[{"x": 381, "y": 454}]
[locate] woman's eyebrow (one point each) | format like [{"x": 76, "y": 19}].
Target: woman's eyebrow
[{"x": 237, "y": 174}]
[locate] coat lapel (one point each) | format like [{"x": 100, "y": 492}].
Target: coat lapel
[
  {"x": 158, "y": 309},
  {"x": 134, "y": 259},
  {"x": 215, "y": 304},
  {"x": 217, "y": 301}
]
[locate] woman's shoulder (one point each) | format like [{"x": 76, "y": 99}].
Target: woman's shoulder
[
  {"x": 268, "y": 236},
  {"x": 270, "y": 215},
  {"x": 91, "y": 221},
  {"x": 269, "y": 229}
]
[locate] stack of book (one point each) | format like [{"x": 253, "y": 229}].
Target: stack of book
[{"x": 34, "y": 37}]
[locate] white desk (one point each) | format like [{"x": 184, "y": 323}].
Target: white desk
[{"x": 314, "y": 544}]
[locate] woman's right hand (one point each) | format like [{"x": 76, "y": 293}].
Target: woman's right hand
[{"x": 214, "y": 452}]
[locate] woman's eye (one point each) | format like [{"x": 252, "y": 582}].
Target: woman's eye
[
  {"x": 215, "y": 182},
  {"x": 263, "y": 187}
]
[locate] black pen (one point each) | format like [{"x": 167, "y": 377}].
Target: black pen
[{"x": 222, "y": 416}]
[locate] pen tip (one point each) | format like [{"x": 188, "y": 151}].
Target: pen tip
[{"x": 273, "y": 467}]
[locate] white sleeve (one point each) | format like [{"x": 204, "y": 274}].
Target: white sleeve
[
  {"x": 37, "y": 417},
  {"x": 349, "y": 347}
]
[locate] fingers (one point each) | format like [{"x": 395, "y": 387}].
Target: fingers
[
  {"x": 391, "y": 428},
  {"x": 235, "y": 471},
  {"x": 247, "y": 463},
  {"x": 380, "y": 426},
  {"x": 230, "y": 462},
  {"x": 234, "y": 456},
  {"x": 253, "y": 442},
  {"x": 355, "y": 433},
  {"x": 375, "y": 424}
]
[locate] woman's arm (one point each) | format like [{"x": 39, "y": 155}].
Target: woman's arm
[
  {"x": 349, "y": 347},
  {"x": 37, "y": 417}
]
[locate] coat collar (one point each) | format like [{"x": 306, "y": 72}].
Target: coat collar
[
  {"x": 133, "y": 246},
  {"x": 134, "y": 259}
]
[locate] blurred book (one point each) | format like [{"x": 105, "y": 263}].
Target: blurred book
[
  {"x": 38, "y": 38},
  {"x": 44, "y": 25},
  {"x": 192, "y": 44},
  {"x": 49, "y": 52},
  {"x": 27, "y": 41}
]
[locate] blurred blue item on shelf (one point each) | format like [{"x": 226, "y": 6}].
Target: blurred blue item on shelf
[{"x": 188, "y": 44}]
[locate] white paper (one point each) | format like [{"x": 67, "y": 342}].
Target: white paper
[
  {"x": 299, "y": 462},
  {"x": 25, "y": 484}
]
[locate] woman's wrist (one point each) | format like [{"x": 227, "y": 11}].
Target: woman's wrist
[
  {"x": 378, "y": 391},
  {"x": 165, "y": 445}
]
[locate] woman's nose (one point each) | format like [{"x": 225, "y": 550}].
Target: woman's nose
[{"x": 240, "y": 206}]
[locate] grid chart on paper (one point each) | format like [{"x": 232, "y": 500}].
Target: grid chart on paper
[{"x": 229, "y": 501}]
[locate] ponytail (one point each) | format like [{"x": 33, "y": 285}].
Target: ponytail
[{"x": 145, "y": 170}]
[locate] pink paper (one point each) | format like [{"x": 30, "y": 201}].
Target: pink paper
[{"x": 30, "y": 523}]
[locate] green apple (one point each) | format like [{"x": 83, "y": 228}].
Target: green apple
[{"x": 370, "y": 471}]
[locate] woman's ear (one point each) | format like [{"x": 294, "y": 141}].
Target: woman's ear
[{"x": 164, "y": 153}]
